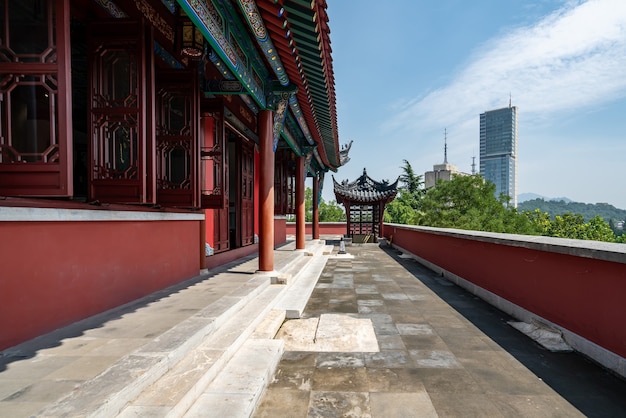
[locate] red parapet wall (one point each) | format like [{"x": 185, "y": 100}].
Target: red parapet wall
[
  {"x": 579, "y": 289},
  {"x": 326, "y": 228},
  {"x": 55, "y": 273}
]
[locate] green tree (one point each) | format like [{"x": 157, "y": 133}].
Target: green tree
[
  {"x": 327, "y": 212},
  {"x": 401, "y": 210},
  {"x": 331, "y": 212},
  {"x": 571, "y": 225},
  {"x": 468, "y": 202},
  {"x": 404, "y": 209},
  {"x": 411, "y": 183}
]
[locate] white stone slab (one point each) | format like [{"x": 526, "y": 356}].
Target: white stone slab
[{"x": 332, "y": 332}]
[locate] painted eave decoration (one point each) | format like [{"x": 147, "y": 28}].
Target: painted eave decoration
[
  {"x": 294, "y": 38},
  {"x": 300, "y": 33}
]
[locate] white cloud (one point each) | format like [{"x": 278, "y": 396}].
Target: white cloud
[{"x": 572, "y": 59}]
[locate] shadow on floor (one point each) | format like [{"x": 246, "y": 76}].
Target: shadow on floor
[{"x": 594, "y": 390}]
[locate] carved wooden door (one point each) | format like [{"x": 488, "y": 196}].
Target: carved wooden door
[
  {"x": 177, "y": 150},
  {"x": 117, "y": 92},
  {"x": 246, "y": 185}
]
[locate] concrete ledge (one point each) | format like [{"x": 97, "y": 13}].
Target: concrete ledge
[
  {"x": 26, "y": 214},
  {"x": 607, "y": 251}
]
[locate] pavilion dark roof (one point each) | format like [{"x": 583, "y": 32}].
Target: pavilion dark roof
[{"x": 365, "y": 190}]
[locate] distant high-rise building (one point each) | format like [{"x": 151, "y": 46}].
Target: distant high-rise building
[
  {"x": 498, "y": 150},
  {"x": 443, "y": 171}
]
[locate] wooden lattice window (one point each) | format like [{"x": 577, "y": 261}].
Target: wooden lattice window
[{"x": 35, "y": 110}]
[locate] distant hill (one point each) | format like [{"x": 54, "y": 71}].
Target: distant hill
[
  {"x": 523, "y": 197},
  {"x": 559, "y": 207}
]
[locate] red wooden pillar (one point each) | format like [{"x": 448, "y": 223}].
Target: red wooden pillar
[
  {"x": 266, "y": 191},
  {"x": 315, "y": 226},
  {"x": 300, "y": 210}
]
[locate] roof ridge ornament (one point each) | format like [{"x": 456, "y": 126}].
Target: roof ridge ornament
[{"x": 343, "y": 153}]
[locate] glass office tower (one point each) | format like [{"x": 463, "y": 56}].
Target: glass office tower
[{"x": 498, "y": 150}]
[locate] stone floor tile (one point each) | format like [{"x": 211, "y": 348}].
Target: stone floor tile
[
  {"x": 414, "y": 329},
  {"x": 35, "y": 368},
  {"x": 434, "y": 358},
  {"x": 298, "y": 359},
  {"x": 338, "y": 360},
  {"x": 340, "y": 380},
  {"x": 401, "y": 405},
  {"x": 503, "y": 381},
  {"x": 339, "y": 404},
  {"x": 411, "y": 316},
  {"x": 390, "y": 342},
  {"x": 83, "y": 368},
  {"x": 370, "y": 302},
  {"x": 277, "y": 402},
  {"x": 136, "y": 411},
  {"x": 395, "y": 380},
  {"x": 41, "y": 391},
  {"x": 20, "y": 409},
  {"x": 366, "y": 289},
  {"x": 424, "y": 342},
  {"x": 465, "y": 406},
  {"x": 536, "y": 406},
  {"x": 118, "y": 347},
  {"x": 450, "y": 381},
  {"x": 292, "y": 378},
  {"x": 388, "y": 359}
]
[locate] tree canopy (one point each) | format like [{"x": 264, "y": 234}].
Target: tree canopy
[
  {"x": 469, "y": 202},
  {"x": 327, "y": 212}
]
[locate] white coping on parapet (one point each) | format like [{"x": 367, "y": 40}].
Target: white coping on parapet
[
  {"x": 608, "y": 251},
  {"x": 25, "y": 214}
]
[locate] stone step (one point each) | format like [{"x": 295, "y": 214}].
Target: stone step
[
  {"x": 237, "y": 390},
  {"x": 294, "y": 301},
  {"x": 204, "y": 375},
  {"x": 177, "y": 390},
  {"x": 107, "y": 394}
]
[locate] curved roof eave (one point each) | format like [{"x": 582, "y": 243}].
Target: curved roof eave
[{"x": 300, "y": 34}]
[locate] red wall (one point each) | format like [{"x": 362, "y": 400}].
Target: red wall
[
  {"x": 56, "y": 273},
  {"x": 326, "y": 228},
  {"x": 581, "y": 294},
  {"x": 280, "y": 231}
]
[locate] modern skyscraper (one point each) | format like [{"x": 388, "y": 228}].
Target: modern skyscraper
[
  {"x": 498, "y": 150},
  {"x": 443, "y": 171}
]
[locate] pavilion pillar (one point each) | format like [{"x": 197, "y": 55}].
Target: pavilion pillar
[
  {"x": 348, "y": 226},
  {"x": 315, "y": 225},
  {"x": 300, "y": 210},
  {"x": 266, "y": 191}
]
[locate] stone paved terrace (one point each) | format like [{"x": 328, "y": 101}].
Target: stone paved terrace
[
  {"x": 442, "y": 352},
  {"x": 379, "y": 336}
]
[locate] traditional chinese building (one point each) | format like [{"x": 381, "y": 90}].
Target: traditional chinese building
[
  {"x": 135, "y": 132},
  {"x": 364, "y": 200}
]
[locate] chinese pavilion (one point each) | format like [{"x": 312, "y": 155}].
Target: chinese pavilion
[
  {"x": 135, "y": 132},
  {"x": 364, "y": 200}
]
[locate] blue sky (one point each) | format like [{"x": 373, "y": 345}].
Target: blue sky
[{"x": 405, "y": 70}]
